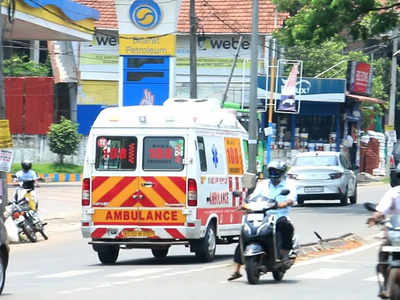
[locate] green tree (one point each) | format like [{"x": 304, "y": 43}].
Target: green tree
[
  {"x": 64, "y": 138},
  {"x": 17, "y": 66},
  {"x": 315, "y": 21}
]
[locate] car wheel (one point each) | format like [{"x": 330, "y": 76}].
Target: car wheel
[
  {"x": 108, "y": 254},
  {"x": 205, "y": 249},
  {"x": 160, "y": 252},
  {"x": 344, "y": 198},
  {"x": 353, "y": 199}
]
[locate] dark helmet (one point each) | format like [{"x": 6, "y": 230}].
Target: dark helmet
[
  {"x": 276, "y": 169},
  {"x": 26, "y": 165}
]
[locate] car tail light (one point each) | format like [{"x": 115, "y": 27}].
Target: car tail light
[
  {"x": 192, "y": 192},
  {"x": 86, "y": 192},
  {"x": 392, "y": 162},
  {"x": 292, "y": 176},
  {"x": 335, "y": 175}
]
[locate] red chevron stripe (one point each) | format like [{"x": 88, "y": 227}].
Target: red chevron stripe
[
  {"x": 145, "y": 202},
  {"x": 175, "y": 233},
  {"x": 116, "y": 189},
  {"x": 98, "y": 233},
  {"x": 180, "y": 182},
  {"x": 159, "y": 189},
  {"x": 98, "y": 180}
]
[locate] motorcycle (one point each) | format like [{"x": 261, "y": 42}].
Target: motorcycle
[
  {"x": 260, "y": 244},
  {"x": 23, "y": 210},
  {"x": 391, "y": 249}
]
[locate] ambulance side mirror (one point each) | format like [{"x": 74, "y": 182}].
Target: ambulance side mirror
[{"x": 249, "y": 180}]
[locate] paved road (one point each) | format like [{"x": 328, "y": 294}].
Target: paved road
[{"x": 65, "y": 267}]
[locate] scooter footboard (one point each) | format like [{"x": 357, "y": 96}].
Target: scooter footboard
[{"x": 253, "y": 250}]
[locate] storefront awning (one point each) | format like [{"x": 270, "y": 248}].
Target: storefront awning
[
  {"x": 48, "y": 20},
  {"x": 364, "y": 99}
]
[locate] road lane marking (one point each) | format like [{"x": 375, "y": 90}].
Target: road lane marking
[
  {"x": 14, "y": 274},
  {"x": 334, "y": 256},
  {"x": 67, "y": 274},
  {"x": 138, "y": 272},
  {"x": 372, "y": 278},
  {"x": 324, "y": 273}
]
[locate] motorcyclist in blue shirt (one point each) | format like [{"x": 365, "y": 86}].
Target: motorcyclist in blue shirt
[
  {"x": 271, "y": 188},
  {"x": 26, "y": 173}
]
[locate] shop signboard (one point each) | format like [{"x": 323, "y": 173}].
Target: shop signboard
[
  {"x": 309, "y": 89},
  {"x": 359, "y": 78},
  {"x": 99, "y": 59}
]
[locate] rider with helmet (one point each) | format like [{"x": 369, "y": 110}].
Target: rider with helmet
[
  {"x": 26, "y": 173},
  {"x": 388, "y": 205},
  {"x": 270, "y": 188}
]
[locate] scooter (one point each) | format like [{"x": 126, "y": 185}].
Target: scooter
[
  {"x": 392, "y": 250},
  {"x": 260, "y": 243},
  {"x": 22, "y": 209}
]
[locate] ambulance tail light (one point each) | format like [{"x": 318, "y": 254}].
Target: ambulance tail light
[
  {"x": 192, "y": 192},
  {"x": 86, "y": 192}
]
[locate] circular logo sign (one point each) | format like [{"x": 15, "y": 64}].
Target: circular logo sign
[{"x": 145, "y": 14}]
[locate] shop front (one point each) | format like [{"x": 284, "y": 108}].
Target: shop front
[{"x": 316, "y": 124}]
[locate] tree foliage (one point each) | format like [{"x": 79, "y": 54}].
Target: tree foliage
[
  {"x": 17, "y": 66},
  {"x": 63, "y": 138},
  {"x": 315, "y": 21}
]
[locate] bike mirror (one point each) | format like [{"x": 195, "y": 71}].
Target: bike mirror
[
  {"x": 370, "y": 206},
  {"x": 249, "y": 180},
  {"x": 285, "y": 192}
]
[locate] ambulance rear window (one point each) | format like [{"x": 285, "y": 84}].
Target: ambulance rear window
[
  {"x": 116, "y": 153},
  {"x": 163, "y": 153}
]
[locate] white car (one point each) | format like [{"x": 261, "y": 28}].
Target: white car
[{"x": 323, "y": 175}]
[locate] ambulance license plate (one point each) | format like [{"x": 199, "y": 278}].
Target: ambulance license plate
[{"x": 129, "y": 233}]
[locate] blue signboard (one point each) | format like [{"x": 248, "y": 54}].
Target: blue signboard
[
  {"x": 310, "y": 89},
  {"x": 146, "y": 80}
]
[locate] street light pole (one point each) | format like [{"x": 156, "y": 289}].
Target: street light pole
[
  {"x": 253, "y": 124},
  {"x": 393, "y": 79}
]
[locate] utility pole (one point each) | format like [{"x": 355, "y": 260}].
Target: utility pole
[
  {"x": 3, "y": 175},
  {"x": 253, "y": 124},
  {"x": 232, "y": 70},
  {"x": 393, "y": 79},
  {"x": 193, "y": 51}
]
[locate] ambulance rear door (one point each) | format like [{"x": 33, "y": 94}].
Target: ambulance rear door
[
  {"x": 115, "y": 180},
  {"x": 162, "y": 183}
]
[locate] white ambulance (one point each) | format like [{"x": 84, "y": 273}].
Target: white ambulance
[{"x": 157, "y": 176}]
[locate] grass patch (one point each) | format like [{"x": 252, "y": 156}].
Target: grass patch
[
  {"x": 50, "y": 168},
  {"x": 386, "y": 180}
]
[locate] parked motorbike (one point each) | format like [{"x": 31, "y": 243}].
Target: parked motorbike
[
  {"x": 23, "y": 210},
  {"x": 260, "y": 243},
  {"x": 391, "y": 249}
]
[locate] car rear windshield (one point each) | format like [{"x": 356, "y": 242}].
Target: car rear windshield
[
  {"x": 163, "y": 153},
  {"x": 116, "y": 153},
  {"x": 316, "y": 161}
]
